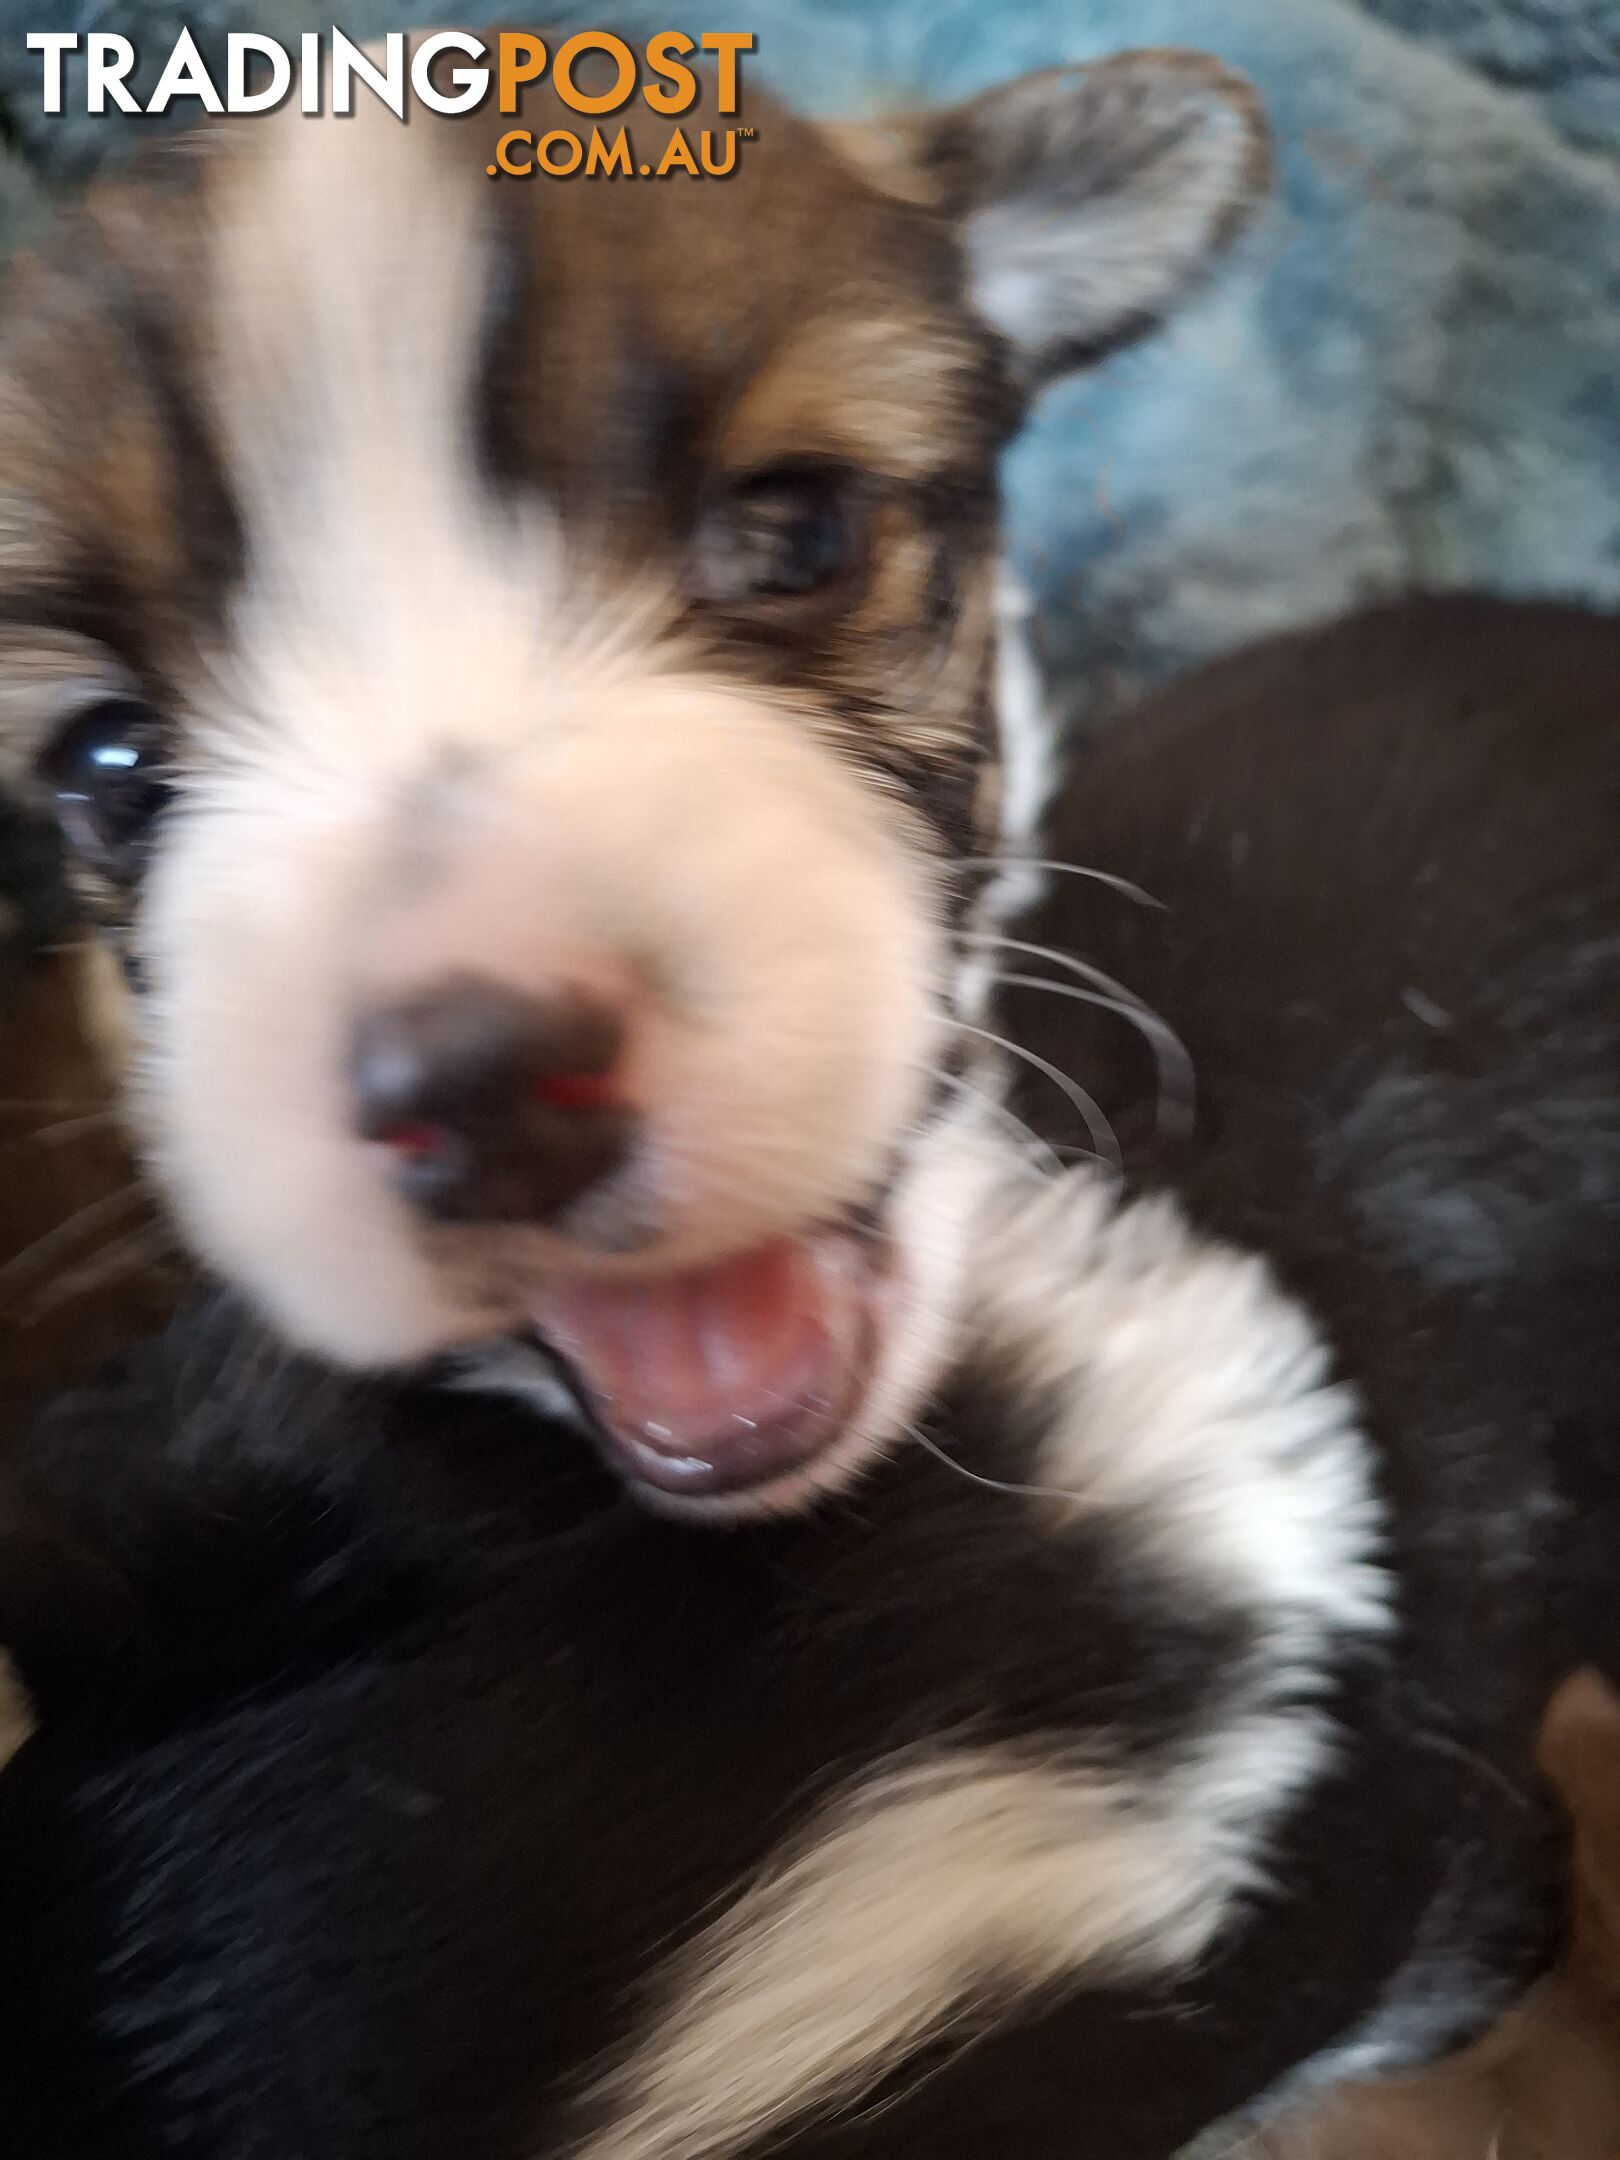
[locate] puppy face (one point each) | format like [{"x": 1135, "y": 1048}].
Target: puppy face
[{"x": 513, "y": 665}]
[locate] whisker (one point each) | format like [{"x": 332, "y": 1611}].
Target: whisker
[
  {"x": 1067, "y": 869},
  {"x": 1085, "y": 969},
  {"x": 990, "y": 1484},
  {"x": 63, "y": 1234},
  {"x": 1177, "y": 1089},
  {"x": 1177, "y": 1081},
  {"x": 24, "y": 1106},
  {"x": 1104, "y": 1140},
  {"x": 1029, "y": 1141},
  {"x": 73, "y": 1128},
  {"x": 119, "y": 1257}
]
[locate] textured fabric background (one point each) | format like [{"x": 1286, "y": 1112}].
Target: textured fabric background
[{"x": 1412, "y": 374}]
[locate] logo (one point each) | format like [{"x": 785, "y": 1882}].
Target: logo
[{"x": 593, "y": 73}]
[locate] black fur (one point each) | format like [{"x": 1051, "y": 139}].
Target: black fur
[{"x": 386, "y": 1747}]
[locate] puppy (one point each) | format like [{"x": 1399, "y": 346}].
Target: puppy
[
  {"x": 516, "y": 667},
  {"x": 1151, "y": 1737}
]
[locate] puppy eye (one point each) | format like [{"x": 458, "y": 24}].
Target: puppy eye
[
  {"x": 782, "y": 534},
  {"x": 108, "y": 770}
]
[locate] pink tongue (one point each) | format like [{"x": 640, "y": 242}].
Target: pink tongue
[{"x": 725, "y": 1375}]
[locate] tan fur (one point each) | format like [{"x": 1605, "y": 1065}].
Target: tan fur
[
  {"x": 927, "y": 1895},
  {"x": 1545, "y": 2085}
]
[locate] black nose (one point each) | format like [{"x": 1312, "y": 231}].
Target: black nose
[{"x": 496, "y": 1106}]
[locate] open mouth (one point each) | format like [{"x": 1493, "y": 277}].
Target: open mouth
[{"x": 726, "y": 1380}]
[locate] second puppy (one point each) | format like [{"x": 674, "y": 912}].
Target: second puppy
[{"x": 1151, "y": 1736}]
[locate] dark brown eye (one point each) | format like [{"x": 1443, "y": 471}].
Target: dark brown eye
[
  {"x": 108, "y": 770},
  {"x": 783, "y": 534}
]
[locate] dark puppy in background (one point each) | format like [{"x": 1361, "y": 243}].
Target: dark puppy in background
[{"x": 1152, "y": 1738}]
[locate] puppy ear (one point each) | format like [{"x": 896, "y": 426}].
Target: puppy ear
[{"x": 1091, "y": 200}]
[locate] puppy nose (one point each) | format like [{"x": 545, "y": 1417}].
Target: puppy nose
[{"x": 494, "y": 1105}]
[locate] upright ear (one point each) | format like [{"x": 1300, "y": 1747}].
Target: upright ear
[{"x": 1091, "y": 200}]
